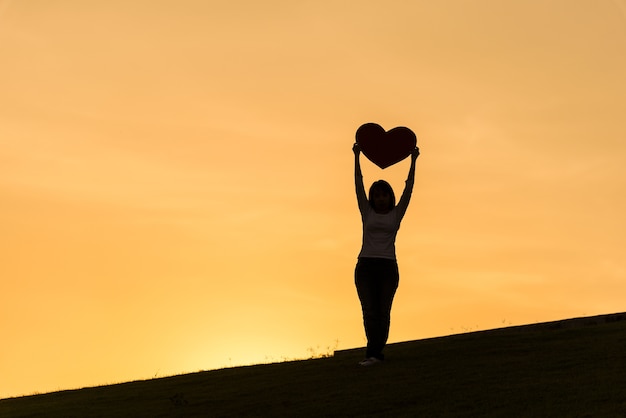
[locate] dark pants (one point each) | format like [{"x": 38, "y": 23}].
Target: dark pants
[{"x": 376, "y": 282}]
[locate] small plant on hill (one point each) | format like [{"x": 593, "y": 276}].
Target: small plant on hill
[{"x": 316, "y": 353}]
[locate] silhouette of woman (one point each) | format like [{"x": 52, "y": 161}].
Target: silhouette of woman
[{"x": 376, "y": 275}]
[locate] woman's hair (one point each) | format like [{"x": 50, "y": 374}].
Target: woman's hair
[{"x": 385, "y": 187}]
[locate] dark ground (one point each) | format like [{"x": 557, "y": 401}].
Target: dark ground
[{"x": 570, "y": 368}]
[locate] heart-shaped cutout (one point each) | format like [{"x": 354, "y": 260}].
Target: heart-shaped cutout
[{"x": 385, "y": 148}]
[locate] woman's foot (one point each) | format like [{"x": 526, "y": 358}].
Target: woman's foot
[{"x": 370, "y": 361}]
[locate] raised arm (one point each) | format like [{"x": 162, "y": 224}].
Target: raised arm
[
  {"x": 361, "y": 197},
  {"x": 403, "y": 204}
]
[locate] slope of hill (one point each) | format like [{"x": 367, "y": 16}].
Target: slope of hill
[{"x": 567, "y": 368}]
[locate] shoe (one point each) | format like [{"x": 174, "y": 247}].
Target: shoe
[{"x": 370, "y": 361}]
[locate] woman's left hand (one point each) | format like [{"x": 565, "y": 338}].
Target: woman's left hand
[{"x": 415, "y": 153}]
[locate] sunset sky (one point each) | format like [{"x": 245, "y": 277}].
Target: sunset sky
[{"x": 177, "y": 191}]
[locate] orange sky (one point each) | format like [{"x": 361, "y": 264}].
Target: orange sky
[{"x": 176, "y": 187}]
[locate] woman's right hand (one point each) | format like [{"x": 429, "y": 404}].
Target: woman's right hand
[{"x": 356, "y": 148}]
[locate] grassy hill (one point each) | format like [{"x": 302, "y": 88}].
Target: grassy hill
[{"x": 569, "y": 368}]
